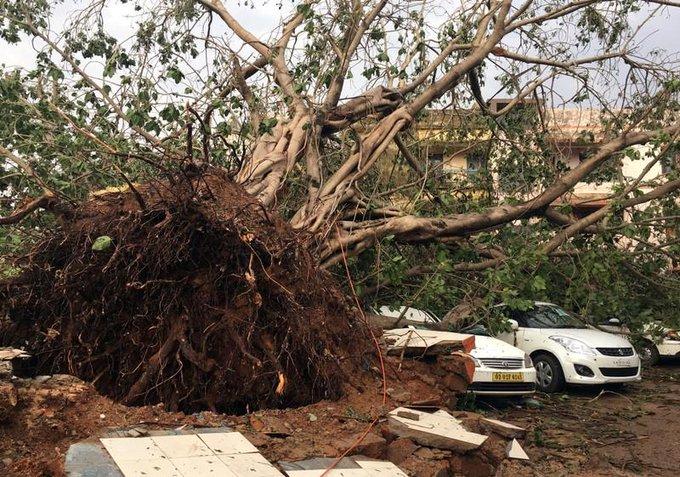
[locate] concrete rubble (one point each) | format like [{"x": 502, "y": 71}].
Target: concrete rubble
[
  {"x": 503, "y": 428},
  {"x": 515, "y": 451},
  {"x": 438, "y": 429},
  {"x": 411, "y": 342}
]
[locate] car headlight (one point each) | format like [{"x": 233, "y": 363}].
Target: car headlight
[
  {"x": 476, "y": 361},
  {"x": 573, "y": 346},
  {"x": 527, "y": 361}
]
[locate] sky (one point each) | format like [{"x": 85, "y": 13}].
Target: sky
[{"x": 663, "y": 31}]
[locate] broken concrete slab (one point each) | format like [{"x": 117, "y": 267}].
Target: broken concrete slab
[
  {"x": 413, "y": 342},
  {"x": 434, "y": 430},
  {"x": 515, "y": 451},
  {"x": 12, "y": 362},
  {"x": 409, "y": 415},
  {"x": 504, "y": 429}
]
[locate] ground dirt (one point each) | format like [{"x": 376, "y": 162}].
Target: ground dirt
[
  {"x": 578, "y": 433},
  {"x": 51, "y": 413},
  {"x": 632, "y": 430}
]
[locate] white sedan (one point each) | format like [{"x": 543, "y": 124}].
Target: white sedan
[
  {"x": 501, "y": 369},
  {"x": 566, "y": 350}
]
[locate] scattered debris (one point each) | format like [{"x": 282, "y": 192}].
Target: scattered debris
[
  {"x": 357, "y": 466},
  {"x": 11, "y": 361},
  {"x": 414, "y": 416},
  {"x": 532, "y": 403},
  {"x": 410, "y": 342},
  {"x": 505, "y": 429},
  {"x": 515, "y": 451},
  {"x": 439, "y": 430},
  {"x": 269, "y": 425},
  {"x": 370, "y": 445}
]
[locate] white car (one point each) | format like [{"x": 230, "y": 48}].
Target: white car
[
  {"x": 566, "y": 350},
  {"x": 657, "y": 341},
  {"x": 501, "y": 369},
  {"x": 411, "y": 314}
]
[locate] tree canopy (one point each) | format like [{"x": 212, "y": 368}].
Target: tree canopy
[{"x": 321, "y": 120}]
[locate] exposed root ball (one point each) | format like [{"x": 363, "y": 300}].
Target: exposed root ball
[{"x": 200, "y": 300}]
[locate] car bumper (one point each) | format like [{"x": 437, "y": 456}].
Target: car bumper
[
  {"x": 605, "y": 369},
  {"x": 483, "y": 382},
  {"x": 669, "y": 348}
]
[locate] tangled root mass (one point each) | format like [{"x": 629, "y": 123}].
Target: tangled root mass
[{"x": 203, "y": 300}]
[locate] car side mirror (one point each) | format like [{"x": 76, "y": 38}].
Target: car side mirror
[
  {"x": 514, "y": 326},
  {"x": 614, "y": 321}
]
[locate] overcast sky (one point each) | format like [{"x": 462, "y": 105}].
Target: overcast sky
[{"x": 662, "y": 32}]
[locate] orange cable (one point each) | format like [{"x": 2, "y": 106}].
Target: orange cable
[{"x": 382, "y": 365}]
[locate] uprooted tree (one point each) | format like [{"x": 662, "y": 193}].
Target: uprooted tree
[{"x": 318, "y": 122}]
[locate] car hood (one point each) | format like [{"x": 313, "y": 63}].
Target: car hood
[
  {"x": 591, "y": 337},
  {"x": 487, "y": 347}
]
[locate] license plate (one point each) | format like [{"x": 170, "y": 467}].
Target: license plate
[
  {"x": 507, "y": 377},
  {"x": 624, "y": 363}
]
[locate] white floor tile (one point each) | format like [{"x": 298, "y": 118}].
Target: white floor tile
[
  {"x": 250, "y": 465},
  {"x": 225, "y": 443},
  {"x": 148, "y": 468},
  {"x": 182, "y": 446},
  {"x": 126, "y": 448},
  {"x": 205, "y": 466}
]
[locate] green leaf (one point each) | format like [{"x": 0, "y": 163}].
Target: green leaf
[
  {"x": 538, "y": 283},
  {"x": 102, "y": 243},
  {"x": 175, "y": 74}
]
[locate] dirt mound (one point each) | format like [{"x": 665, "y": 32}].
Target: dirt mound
[{"x": 185, "y": 292}]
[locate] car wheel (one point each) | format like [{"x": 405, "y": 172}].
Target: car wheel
[
  {"x": 549, "y": 374},
  {"x": 649, "y": 353}
]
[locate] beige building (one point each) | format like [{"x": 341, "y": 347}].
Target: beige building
[{"x": 456, "y": 144}]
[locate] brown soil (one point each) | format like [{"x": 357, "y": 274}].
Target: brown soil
[
  {"x": 52, "y": 414},
  {"x": 202, "y": 300},
  {"x": 584, "y": 433},
  {"x": 634, "y": 433}
]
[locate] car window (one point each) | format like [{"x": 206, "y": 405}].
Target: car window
[
  {"x": 550, "y": 316},
  {"x": 508, "y": 313}
]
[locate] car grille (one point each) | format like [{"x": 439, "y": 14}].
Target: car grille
[
  {"x": 503, "y": 363},
  {"x": 616, "y": 351},
  {"x": 619, "y": 372},
  {"x": 502, "y": 387}
]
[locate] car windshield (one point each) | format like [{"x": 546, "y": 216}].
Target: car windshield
[{"x": 547, "y": 316}]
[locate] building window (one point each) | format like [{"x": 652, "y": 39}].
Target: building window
[
  {"x": 669, "y": 163},
  {"x": 476, "y": 162},
  {"x": 435, "y": 159}
]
